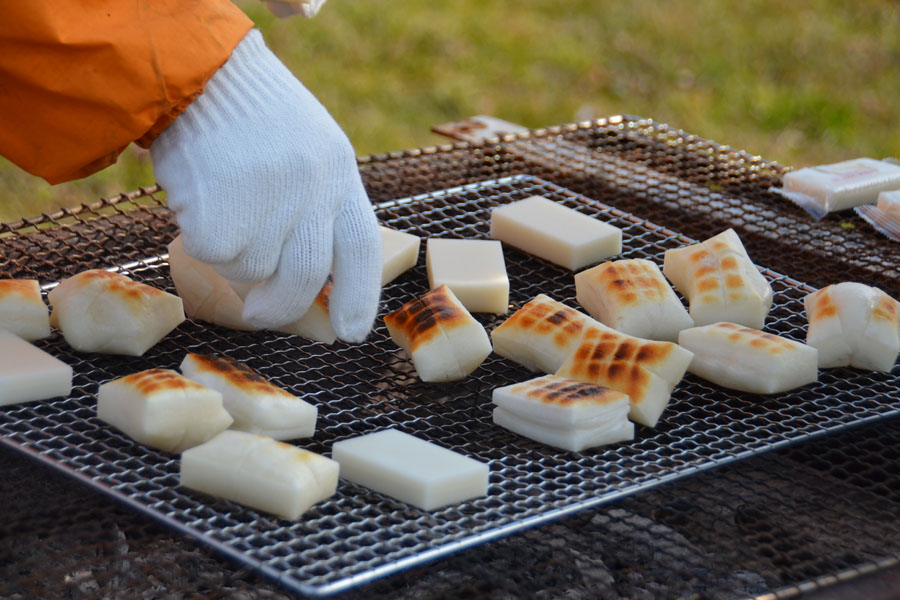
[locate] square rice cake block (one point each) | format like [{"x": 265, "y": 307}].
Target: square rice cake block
[
  {"x": 255, "y": 404},
  {"x": 555, "y": 232},
  {"x": 474, "y": 269},
  {"x": 22, "y": 309},
  {"x": 399, "y": 253},
  {"x": 27, "y": 373},
  {"x": 444, "y": 341},
  {"x": 260, "y": 472},
  {"x": 162, "y": 409},
  {"x": 411, "y": 469}
]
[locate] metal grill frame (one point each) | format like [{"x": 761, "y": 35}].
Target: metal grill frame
[{"x": 403, "y": 537}]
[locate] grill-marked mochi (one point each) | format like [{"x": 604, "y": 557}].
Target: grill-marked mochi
[
  {"x": 207, "y": 296},
  {"x": 255, "y": 404},
  {"x": 749, "y": 360},
  {"x": 162, "y": 409},
  {"x": 541, "y": 334},
  {"x": 22, "y": 310},
  {"x": 444, "y": 341},
  {"x": 260, "y": 472},
  {"x": 853, "y": 324},
  {"x": 720, "y": 281},
  {"x": 632, "y": 296},
  {"x": 646, "y": 370},
  {"x": 560, "y": 412}
]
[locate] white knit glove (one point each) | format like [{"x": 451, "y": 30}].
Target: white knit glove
[{"x": 265, "y": 188}]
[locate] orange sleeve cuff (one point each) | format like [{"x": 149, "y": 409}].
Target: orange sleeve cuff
[{"x": 80, "y": 81}]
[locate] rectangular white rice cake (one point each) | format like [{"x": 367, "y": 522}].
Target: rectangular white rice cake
[
  {"x": 474, "y": 270},
  {"x": 555, "y": 232},
  {"x": 411, "y": 469},
  {"x": 162, "y": 409},
  {"x": 749, "y": 360},
  {"x": 559, "y": 402},
  {"x": 573, "y": 439},
  {"x": 259, "y": 472},
  {"x": 399, "y": 253},
  {"x": 255, "y": 404},
  {"x": 27, "y": 373}
]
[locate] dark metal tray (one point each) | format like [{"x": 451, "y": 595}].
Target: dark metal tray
[{"x": 358, "y": 535}]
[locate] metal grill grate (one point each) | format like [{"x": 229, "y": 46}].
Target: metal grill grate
[{"x": 358, "y": 535}]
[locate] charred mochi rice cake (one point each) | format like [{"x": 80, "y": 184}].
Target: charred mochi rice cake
[{"x": 443, "y": 339}]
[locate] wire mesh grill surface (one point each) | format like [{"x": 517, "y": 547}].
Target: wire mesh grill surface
[{"x": 359, "y": 535}]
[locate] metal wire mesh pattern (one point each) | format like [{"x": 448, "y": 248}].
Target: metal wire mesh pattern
[{"x": 359, "y": 535}]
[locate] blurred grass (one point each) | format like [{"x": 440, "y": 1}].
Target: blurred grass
[{"x": 801, "y": 82}]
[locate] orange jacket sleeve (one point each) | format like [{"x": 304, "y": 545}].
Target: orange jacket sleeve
[{"x": 81, "y": 79}]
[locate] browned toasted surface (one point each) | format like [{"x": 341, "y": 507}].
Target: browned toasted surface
[
  {"x": 886, "y": 309},
  {"x": 545, "y": 317},
  {"x": 616, "y": 360},
  {"x": 760, "y": 340},
  {"x": 323, "y": 297},
  {"x": 630, "y": 281},
  {"x": 235, "y": 374},
  {"x": 153, "y": 381},
  {"x": 560, "y": 391},
  {"x": 822, "y": 305},
  {"x": 423, "y": 318},
  {"x": 23, "y": 288},
  {"x": 123, "y": 288}
]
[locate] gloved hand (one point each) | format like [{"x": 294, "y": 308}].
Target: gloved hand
[{"x": 265, "y": 188}]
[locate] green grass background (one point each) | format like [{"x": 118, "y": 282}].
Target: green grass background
[{"x": 800, "y": 82}]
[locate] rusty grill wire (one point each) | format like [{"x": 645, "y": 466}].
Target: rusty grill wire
[{"x": 359, "y": 535}]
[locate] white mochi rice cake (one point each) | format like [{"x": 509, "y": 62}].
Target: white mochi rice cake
[
  {"x": 560, "y": 412},
  {"x": 100, "y": 311},
  {"x": 255, "y": 404},
  {"x": 853, "y": 324},
  {"x": 162, "y": 409},
  {"x": 443, "y": 339},
  {"x": 632, "y": 296},
  {"x": 210, "y": 297},
  {"x": 207, "y": 296},
  {"x": 314, "y": 324},
  {"x": 749, "y": 360},
  {"x": 720, "y": 281},
  {"x": 260, "y": 472},
  {"x": 22, "y": 309},
  {"x": 541, "y": 334},
  {"x": 646, "y": 370}
]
